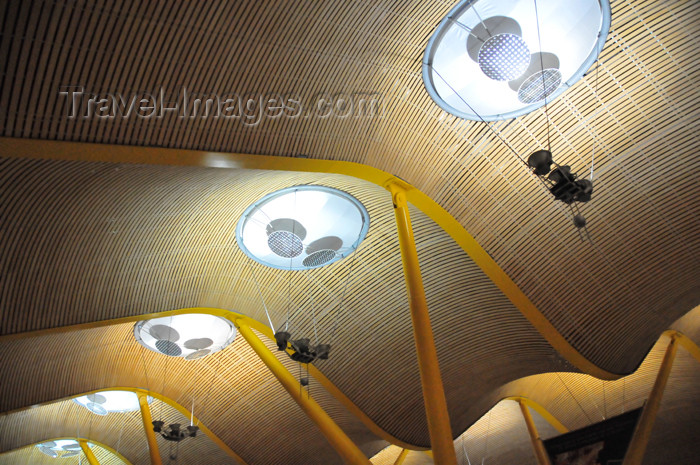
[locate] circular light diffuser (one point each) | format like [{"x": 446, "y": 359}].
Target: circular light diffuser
[
  {"x": 61, "y": 448},
  {"x": 302, "y": 227},
  {"x": 484, "y": 61},
  {"x": 190, "y": 335},
  {"x": 104, "y": 402}
]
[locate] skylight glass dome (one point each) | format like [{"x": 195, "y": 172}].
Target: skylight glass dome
[
  {"x": 302, "y": 227},
  {"x": 484, "y": 60},
  {"x": 104, "y": 402},
  {"x": 190, "y": 335},
  {"x": 61, "y": 448}
]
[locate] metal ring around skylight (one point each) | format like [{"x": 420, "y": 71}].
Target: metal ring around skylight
[
  {"x": 451, "y": 54},
  {"x": 302, "y": 227}
]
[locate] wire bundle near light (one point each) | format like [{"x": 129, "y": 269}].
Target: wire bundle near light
[
  {"x": 189, "y": 335},
  {"x": 60, "y": 448},
  {"x": 498, "y": 59},
  {"x": 302, "y": 227},
  {"x": 104, "y": 402}
]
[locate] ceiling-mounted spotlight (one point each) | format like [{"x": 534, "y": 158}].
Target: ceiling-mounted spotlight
[
  {"x": 302, "y": 350},
  {"x": 104, "y": 402},
  {"x": 174, "y": 432},
  {"x": 564, "y": 185},
  {"x": 302, "y": 227},
  {"x": 499, "y": 59},
  {"x": 60, "y": 448},
  {"x": 189, "y": 335}
]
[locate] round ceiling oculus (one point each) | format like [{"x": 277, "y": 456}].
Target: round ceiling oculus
[
  {"x": 188, "y": 335},
  {"x": 104, "y": 402},
  {"x": 484, "y": 61},
  {"x": 302, "y": 227}
]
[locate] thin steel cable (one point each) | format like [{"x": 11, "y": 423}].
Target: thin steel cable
[
  {"x": 257, "y": 284},
  {"x": 544, "y": 86},
  {"x": 595, "y": 133},
  {"x": 573, "y": 397},
  {"x": 342, "y": 297}
]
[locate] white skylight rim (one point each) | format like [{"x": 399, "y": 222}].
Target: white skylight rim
[
  {"x": 302, "y": 227},
  {"x": 105, "y": 402},
  {"x": 61, "y": 448},
  {"x": 189, "y": 335},
  {"x": 456, "y": 83}
]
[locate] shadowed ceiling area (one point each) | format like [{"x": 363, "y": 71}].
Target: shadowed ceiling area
[{"x": 107, "y": 220}]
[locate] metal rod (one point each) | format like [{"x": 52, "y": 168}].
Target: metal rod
[
  {"x": 640, "y": 439},
  {"x": 433, "y": 391},
  {"x": 148, "y": 428},
  {"x": 537, "y": 445},
  {"x": 92, "y": 460}
]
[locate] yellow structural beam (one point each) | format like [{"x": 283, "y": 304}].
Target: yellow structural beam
[
  {"x": 402, "y": 456},
  {"x": 92, "y": 460},
  {"x": 342, "y": 444},
  {"x": 79, "y": 151},
  {"x": 537, "y": 445},
  {"x": 543, "y": 412},
  {"x": 97, "y": 443},
  {"x": 640, "y": 438},
  {"x": 180, "y": 408},
  {"x": 431, "y": 380},
  {"x": 231, "y": 316},
  {"x": 148, "y": 428}
]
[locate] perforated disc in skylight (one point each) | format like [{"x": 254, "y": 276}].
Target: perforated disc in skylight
[
  {"x": 302, "y": 227},
  {"x": 487, "y": 58}
]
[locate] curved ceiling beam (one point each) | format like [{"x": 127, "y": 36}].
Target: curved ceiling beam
[
  {"x": 77, "y": 151},
  {"x": 231, "y": 316},
  {"x": 155, "y": 395},
  {"x": 683, "y": 340},
  {"x": 102, "y": 445}
]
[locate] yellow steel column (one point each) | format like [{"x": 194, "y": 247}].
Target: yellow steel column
[
  {"x": 402, "y": 456},
  {"x": 148, "y": 428},
  {"x": 92, "y": 460},
  {"x": 537, "y": 445},
  {"x": 347, "y": 449},
  {"x": 640, "y": 439},
  {"x": 433, "y": 392}
]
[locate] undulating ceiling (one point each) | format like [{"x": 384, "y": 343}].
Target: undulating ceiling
[{"x": 91, "y": 242}]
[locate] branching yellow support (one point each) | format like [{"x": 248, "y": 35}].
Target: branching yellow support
[
  {"x": 92, "y": 460},
  {"x": 640, "y": 439},
  {"x": 537, "y": 445},
  {"x": 402, "y": 456},
  {"x": 343, "y": 445},
  {"x": 148, "y": 428},
  {"x": 433, "y": 391}
]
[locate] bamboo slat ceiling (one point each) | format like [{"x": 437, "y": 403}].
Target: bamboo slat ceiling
[
  {"x": 643, "y": 121},
  {"x": 32, "y": 455},
  {"x": 83, "y": 242},
  {"x": 178, "y": 250}
]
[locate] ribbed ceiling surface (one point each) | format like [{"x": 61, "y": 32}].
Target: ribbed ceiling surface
[
  {"x": 83, "y": 242},
  {"x": 642, "y": 121},
  {"x": 32, "y": 455},
  {"x": 145, "y": 239}
]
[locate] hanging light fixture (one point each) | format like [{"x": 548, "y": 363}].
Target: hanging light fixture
[
  {"x": 104, "y": 402},
  {"x": 499, "y": 59},
  {"x": 189, "y": 335},
  {"x": 302, "y": 227},
  {"x": 60, "y": 448}
]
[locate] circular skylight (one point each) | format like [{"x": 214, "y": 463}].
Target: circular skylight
[
  {"x": 302, "y": 227},
  {"x": 190, "y": 335},
  {"x": 61, "y": 448},
  {"x": 104, "y": 402},
  {"x": 484, "y": 61}
]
